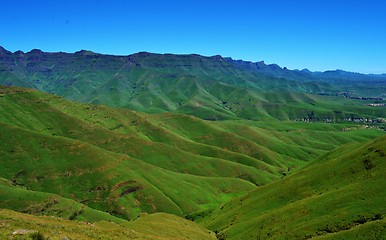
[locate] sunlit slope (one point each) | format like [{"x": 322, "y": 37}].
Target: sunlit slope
[
  {"x": 132, "y": 134},
  {"x": 338, "y": 196},
  {"x": 256, "y": 144},
  {"x": 155, "y": 226},
  {"x": 105, "y": 180}
]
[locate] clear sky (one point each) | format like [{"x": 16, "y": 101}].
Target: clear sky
[{"x": 313, "y": 34}]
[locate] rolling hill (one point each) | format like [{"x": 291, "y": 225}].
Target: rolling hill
[{"x": 125, "y": 162}]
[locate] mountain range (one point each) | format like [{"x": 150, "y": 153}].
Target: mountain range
[
  {"x": 213, "y": 88},
  {"x": 164, "y": 146}
]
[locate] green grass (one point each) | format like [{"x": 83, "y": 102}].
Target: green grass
[
  {"x": 155, "y": 226},
  {"x": 88, "y": 174},
  {"x": 284, "y": 162},
  {"x": 83, "y": 152},
  {"x": 41, "y": 203},
  {"x": 242, "y": 178},
  {"x": 338, "y": 196}
]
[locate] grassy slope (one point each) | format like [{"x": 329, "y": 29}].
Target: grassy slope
[
  {"x": 49, "y": 144},
  {"x": 338, "y": 196},
  {"x": 155, "y": 226},
  {"x": 213, "y": 139},
  {"x": 32, "y": 202},
  {"x": 58, "y": 165}
]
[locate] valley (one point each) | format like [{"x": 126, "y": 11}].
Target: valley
[{"x": 163, "y": 146}]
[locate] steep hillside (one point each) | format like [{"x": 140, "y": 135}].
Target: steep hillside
[
  {"x": 338, "y": 196},
  {"x": 126, "y": 162},
  {"x": 105, "y": 180},
  {"x": 207, "y": 87}
]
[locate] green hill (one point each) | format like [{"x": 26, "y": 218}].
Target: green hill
[
  {"x": 93, "y": 163},
  {"x": 41, "y": 203},
  {"x": 338, "y": 196},
  {"x": 126, "y": 163},
  {"x": 105, "y": 180}
]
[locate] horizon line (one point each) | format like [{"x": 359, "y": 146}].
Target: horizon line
[{"x": 193, "y": 54}]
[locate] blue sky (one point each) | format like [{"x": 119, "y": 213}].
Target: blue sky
[{"x": 313, "y": 34}]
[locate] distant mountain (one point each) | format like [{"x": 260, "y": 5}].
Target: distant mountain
[
  {"x": 333, "y": 76},
  {"x": 206, "y": 87}
]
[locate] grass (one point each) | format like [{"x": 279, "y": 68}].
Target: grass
[
  {"x": 42, "y": 203},
  {"x": 67, "y": 163},
  {"x": 338, "y": 196},
  {"x": 154, "y": 226},
  {"x": 242, "y": 179},
  {"x": 83, "y": 152}
]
